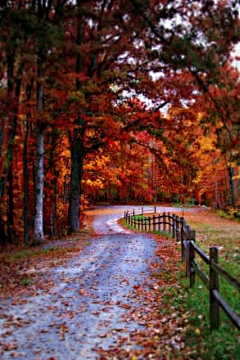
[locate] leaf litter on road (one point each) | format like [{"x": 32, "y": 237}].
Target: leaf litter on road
[{"x": 106, "y": 301}]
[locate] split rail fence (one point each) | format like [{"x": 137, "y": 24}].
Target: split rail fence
[{"x": 177, "y": 228}]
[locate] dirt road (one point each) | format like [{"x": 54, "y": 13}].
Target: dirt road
[{"x": 85, "y": 308}]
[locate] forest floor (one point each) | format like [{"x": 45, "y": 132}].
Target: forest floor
[{"x": 104, "y": 294}]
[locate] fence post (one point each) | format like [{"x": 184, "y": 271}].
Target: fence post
[
  {"x": 141, "y": 224},
  {"x": 182, "y": 221},
  {"x": 159, "y": 222},
  {"x": 142, "y": 210},
  {"x": 131, "y": 220},
  {"x": 133, "y": 212},
  {"x": 169, "y": 222},
  {"x": 192, "y": 256},
  {"x": 187, "y": 244},
  {"x": 149, "y": 224},
  {"x": 155, "y": 209},
  {"x": 177, "y": 229},
  {"x": 182, "y": 236},
  {"x": 154, "y": 223},
  {"x": 214, "y": 285},
  {"x": 164, "y": 223},
  {"x": 174, "y": 226}
]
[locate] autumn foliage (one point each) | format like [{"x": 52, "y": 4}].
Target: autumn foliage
[{"x": 114, "y": 100}]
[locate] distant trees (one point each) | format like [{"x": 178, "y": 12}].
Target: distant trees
[{"x": 71, "y": 126}]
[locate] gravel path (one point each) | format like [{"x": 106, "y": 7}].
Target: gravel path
[{"x": 85, "y": 308}]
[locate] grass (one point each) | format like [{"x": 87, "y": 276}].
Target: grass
[
  {"x": 139, "y": 217},
  {"x": 224, "y": 344},
  {"x": 131, "y": 227},
  {"x": 128, "y": 226},
  {"x": 193, "y": 304},
  {"x": 33, "y": 253},
  {"x": 232, "y": 213},
  {"x": 221, "y": 344},
  {"x": 26, "y": 282},
  {"x": 185, "y": 205},
  {"x": 169, "y": 236}
]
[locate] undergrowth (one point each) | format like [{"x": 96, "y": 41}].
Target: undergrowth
[
  {"x": 34, "y": 253},
  {"x": 193, "y": 305}
]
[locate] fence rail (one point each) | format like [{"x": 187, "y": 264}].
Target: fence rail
[{"x": 171, "y": 224}]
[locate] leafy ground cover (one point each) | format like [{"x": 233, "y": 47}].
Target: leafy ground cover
[
  {"x": 191, "y": 306},
  {"x": 173, "y": 320},
  {"x": 23, "y": 270}
]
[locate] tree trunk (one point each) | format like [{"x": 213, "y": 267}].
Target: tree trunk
[
  {"x": 76, "y": 156},
  {"x": 232, "y": 185},
  {"x": 13, "y": 126},
  {"x": 25, "y": 172},
  {"x": 53, "y": 186},
  {"x": 238, "y": 184},
  {"x": 39, "y": 176},
  {"x": 2, "y": 135},
  {"x": 75, "y": 185},
  {"x": 25, "y": 187}
]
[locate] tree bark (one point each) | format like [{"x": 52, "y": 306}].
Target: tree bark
[
  {"x": 53, "y": 185},
  {"x": 76, "y": 156},
  {"x": 25, "y": 187},
  {"x": 13, "y": 126},
  {"x": 232, "y": 185},
  {"x": 39, "y": 175}
]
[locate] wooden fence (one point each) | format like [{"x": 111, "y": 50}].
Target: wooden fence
[{"x": 175, "y": 226}]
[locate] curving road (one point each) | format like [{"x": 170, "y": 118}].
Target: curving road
[{"x": 86, "y": 307}]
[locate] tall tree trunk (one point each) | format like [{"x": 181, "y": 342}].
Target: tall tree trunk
[
  {"x": 231, "y": 180},
  {"x": 25, "y": 186},
  {"x": 75, "y": 185},
  {"x": 76, "y": 156},
  {"x": 53, "y": 220},
  {"x": 25, "y": 171},
  {"x": 53, "y": 186},
  {"x": 2, "y": 135},
  {"x": 238, "y": 183},
  {"x": 216, "y": 195},
  {"x": 10, "y": 206},
  {"x": 232, "y": 185},
  {"x": 13, "y": 126},
  {"x": 39, "y": 175}
]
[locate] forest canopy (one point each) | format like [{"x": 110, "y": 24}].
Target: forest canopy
[{"x": 76, "y": 127}]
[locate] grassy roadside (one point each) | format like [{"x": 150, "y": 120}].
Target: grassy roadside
[
  {"x": 192, "y": 304},
  {"x": 26, "y": 270}
]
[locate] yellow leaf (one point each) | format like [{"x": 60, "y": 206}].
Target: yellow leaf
[{"x": 197, "y": 331}]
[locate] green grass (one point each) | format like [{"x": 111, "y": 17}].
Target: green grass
[
  {"x": 28, "y": 253},
  {"x": 199, "y": 225},
  {"x": 231, "y": 214},
  {"x": 128, "y": 226},
  {"x": 185, "y": 205},
  {"x": 26, "y": 282},
  {"x": 193, "y": 306},
  {"x": 212, "y": 231},
  {"x": 169, "y": 236},
  {"x": 221, "y": 344},
  {"x": 131, "y": 227},
  {"x": 139, "y": 217}
]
